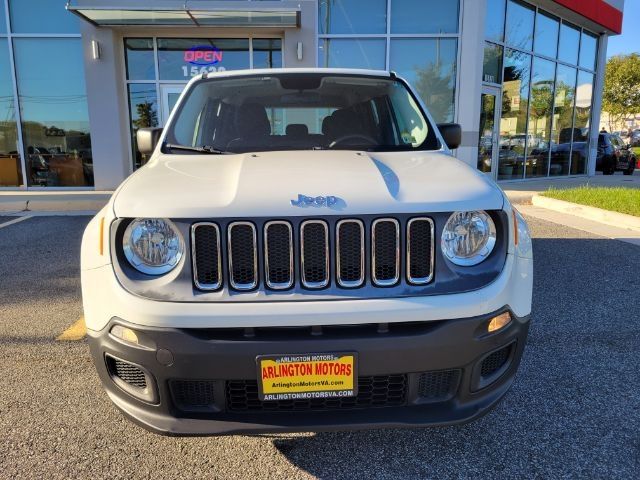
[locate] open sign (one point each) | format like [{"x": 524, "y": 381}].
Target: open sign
[{"x": 203, "y": 55}]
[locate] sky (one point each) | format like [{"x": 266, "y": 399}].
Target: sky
[{"x": 629, "y": 41}]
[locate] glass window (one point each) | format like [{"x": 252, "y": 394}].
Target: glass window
[
  {"x": 352, "y": 53},
  {"x": 230, "y": 114},
  {"x": 183, "y": 58},
  {"x": 569, "y": 44},
  {"x": 513, "y": 123},
  {"x": 492, "y": 65},
  {"x": 519, "y": 26},
  {"x": 139, "y": 57},
  {"x": 55, "y": 120},
  {"x": 540, "y": 117},
  {"x": 546, "y": 38},
  {"x": 143, "y": 108},
  {"x": 352, "y": 16},
  {"x": 429, "y": 65},
  {"x": 42, "y": 16},
  {"x": 10, "y": 165},
  {"x": 494, "y": 21},
  {"x": 580, "y": 146},
  {"x": 588, "y": 51},
  {"x": 3, "y": 19},
  {"x": 267, "y": 53},
  {"x": 424, "y": 16},
  {"x": 562, "y": 133}
]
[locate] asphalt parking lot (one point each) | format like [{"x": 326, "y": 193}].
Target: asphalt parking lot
[{"x": 573, "y": 412}]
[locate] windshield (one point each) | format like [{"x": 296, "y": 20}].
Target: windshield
[{"x": 299, "y": 111}]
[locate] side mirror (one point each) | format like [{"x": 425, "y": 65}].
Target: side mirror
[
  {"x": 451, "y": 134},
  {"x": 147, "y": 139}
]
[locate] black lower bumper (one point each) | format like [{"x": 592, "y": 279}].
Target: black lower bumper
[{"x": 202, "y": 382}]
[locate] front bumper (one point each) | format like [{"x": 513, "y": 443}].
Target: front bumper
[{"x": 215, "y": 357}]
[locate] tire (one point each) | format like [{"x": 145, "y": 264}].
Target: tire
[{"x": 629, "y": 171}]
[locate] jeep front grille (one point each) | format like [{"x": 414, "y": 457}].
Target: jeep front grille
[{"x": 312, "y": 254}]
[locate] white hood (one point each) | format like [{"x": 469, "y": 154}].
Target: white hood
[{"x": 264, "y": 183}]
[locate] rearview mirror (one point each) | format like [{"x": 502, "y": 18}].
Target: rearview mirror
[
  {"x": 451, "y": 134},
  {"x": 147, "y": 139}
]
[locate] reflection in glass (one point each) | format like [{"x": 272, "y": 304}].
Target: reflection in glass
[
  {"x": 540, "y": 117},
  {"x": 494, "y": 21},
  {"x": 352, "y": 53},
  {"x": 143, "y": 107},
  {"x": 487, "y": 126},
  {"x": 267, "y": 53},
  {"x": 42, "y": 16},
  {"x": 546, "y": 38},
  {"x": 588, "y": 51},
  {"x": 55, "y": 120},
  {"x": 519, "y": 26},
  {"x": 569, "y": 43},
  {"x": 492, "y": 65},
  {"x": 513, "y": 124},
  {"x": 177, "y": 58},
  {"x": 432, "y": 73},
  {"x": 10, "y": 165},
  {"x": 3, "y": 19},
  {"x": 562, "y": 133},
  {"x": 580, "y": 146},
  {"x": 424, "y": 16},
  {"x": 139, "y": 58},
  {"x": 352, "y": 16}
]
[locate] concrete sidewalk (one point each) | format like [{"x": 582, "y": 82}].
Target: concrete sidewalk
[{"x": 57, "y": 201}]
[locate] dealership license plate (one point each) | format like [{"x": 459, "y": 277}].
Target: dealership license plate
[{"x": 307, "y": 376}]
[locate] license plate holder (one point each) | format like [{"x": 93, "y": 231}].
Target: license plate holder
[{"x": 307, "y": 376}]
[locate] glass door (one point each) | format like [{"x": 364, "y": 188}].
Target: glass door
[
  {"x": 489, "y": 131},
  {"x": 169, "y": 94}
]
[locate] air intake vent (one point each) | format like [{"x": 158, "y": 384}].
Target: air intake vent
[
  {"x": 496, "y": 361},
  {"x": 278, "y": 240},
  {"x": 438, "y": 386},
  {"x": 385, "y": 252},
  {"x": 350, "y": 253},
  {"x": 314, "y": 243},
  {"x": 243, "y": 261},
  {"x": 127, "y": 372},
  {"x": 420, "y": 251},
  {"x": 193, "y": 395},
  {"x": 205, "y": 244}
]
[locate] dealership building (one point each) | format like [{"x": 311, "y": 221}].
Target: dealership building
[{"x": 78, "y": 78}]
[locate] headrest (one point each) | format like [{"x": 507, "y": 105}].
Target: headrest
[
  {"x": 251, "y": 119},
  {"x": 297, "y": 130}
]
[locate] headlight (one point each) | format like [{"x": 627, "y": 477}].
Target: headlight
[
  {"x": 468, "y": 238},
  {"x": 153, "y": 245}
]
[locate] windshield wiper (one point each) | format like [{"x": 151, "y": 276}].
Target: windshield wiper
[{"x": 204, "y": 149}]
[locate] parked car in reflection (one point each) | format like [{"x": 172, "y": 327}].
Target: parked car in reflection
[{"x": 614, "y": 155}]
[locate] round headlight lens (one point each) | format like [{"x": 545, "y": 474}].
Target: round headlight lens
[
  {"x": 468, "y": 238},
  {"x": 153, "y": 245}
]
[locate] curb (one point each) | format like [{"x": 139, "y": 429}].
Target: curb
[{"x": 615, "y": 219}]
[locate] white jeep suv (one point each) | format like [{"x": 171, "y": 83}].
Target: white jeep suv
[{"x": 302, "y": 252}]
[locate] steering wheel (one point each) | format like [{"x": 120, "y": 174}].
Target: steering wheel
[{"x": 353, "y": 136}]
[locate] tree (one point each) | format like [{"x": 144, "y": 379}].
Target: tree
[
  {"x": 621, "y": 95},
  {"x": 147, "y": 116}
]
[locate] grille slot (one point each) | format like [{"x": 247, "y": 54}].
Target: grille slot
[
  {"x": 385, "y": 256},
  {"x": 373, "y": 392},
  {"x": 206, "y": 258},
  {"x": 420, "y": 250},
  {"x": 495, "y": 361},
  {"x": 314, "y": 244},
  {"x": 438, "y": 386},
  {"x": 193, "y": 395},
  {"x": 127, "y": 372},
  {"x": 278, "y": 241},
  {"x": 243, "y": 256},
  {"x": 350, "y": 253}
]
